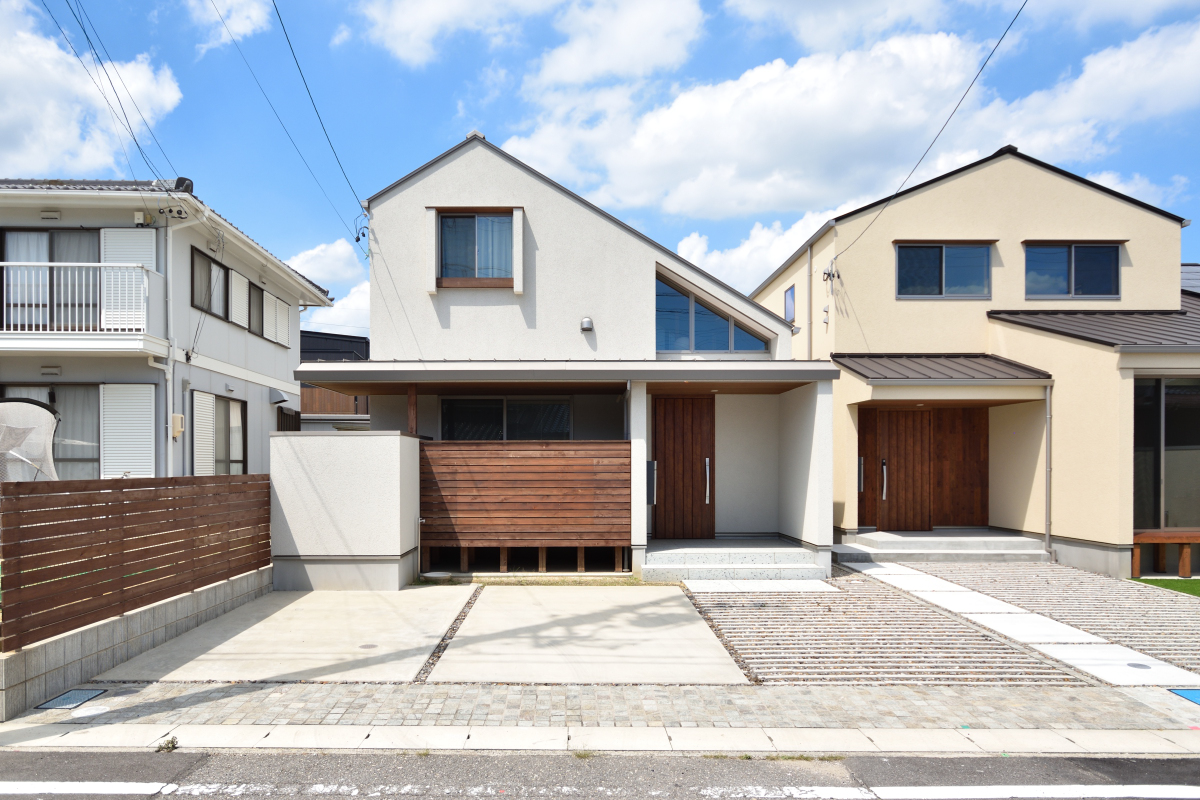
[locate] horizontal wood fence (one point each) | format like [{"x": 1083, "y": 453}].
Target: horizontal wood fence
[
  {"x": 319, "y": 400},
  {"x": 76, "y": 552},
  {"x": 525, "y": 494}
]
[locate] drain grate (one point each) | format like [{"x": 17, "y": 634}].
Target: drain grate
[{"x": 72, "y": 699}]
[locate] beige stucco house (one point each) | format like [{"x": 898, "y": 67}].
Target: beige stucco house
[{"x": 1017, "y": 355}]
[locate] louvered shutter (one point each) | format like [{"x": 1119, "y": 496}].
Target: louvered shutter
[
  {"x": 269, "y": 310},
  {"x": 283, "y": 323},
  {"x": 239, "y": 299},
  {"x": 123, "y": 299},
  {"x": 204, "y": 433},
  {"x": 128, "y": 246},
  {"x": 127, "y": 430}
]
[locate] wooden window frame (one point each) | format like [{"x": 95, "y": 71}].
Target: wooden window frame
[{"x": 473, "y": 282}]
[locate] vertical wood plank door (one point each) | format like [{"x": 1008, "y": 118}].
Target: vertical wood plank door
[
  {"x": 684, "y": 436},
  {"x": 904, "y": 447},
  {"x": 959, "y": 455}
]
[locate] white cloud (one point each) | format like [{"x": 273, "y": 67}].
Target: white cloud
[
  {"x": 334, "y": 262},
  {"x": 340, "y": 36},
  {"x": 620, "y": 38},
  {"x": 1142, "y": 188},
  {"x": 826, "y": 26},
  {"x": 1086, "y": 15},
  {"x": 53, "y": 120},
  {"x": 351, "y": 314},
  {"x": 242, "y": 18},
  {"x": 743, "y": 266},
  {"x": 410, "y": 29}
]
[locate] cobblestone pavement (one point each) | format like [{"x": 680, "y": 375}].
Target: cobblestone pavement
[
  {"x": 1151, "y": 620},
  {"x": 831, "y": 706},
  {"x": 869, "y": 633}
]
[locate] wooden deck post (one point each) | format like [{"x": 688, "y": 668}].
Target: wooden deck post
[
  {"x": 541, "y": 559},
  {"x": 579, "y": 567},
  {"x": 1185, "y": 559},
  {"x": 620, "y": 562},
  {"x": 425, "y": 558},
  {"x": 1135, "y": 567},
  {"x": 504, "y": 559},
  {"x": 464, "y": 559},
  {"x": 412, "y": 409},
  {"x": 1160, "y": 558}
]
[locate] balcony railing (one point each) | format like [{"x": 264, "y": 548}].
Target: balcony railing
[{"x": 67, "y": 298}]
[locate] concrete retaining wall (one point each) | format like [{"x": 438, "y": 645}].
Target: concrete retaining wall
[{"x": 44, "y": 670}]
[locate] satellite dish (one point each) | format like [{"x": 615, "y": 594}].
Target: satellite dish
[{"x": 27, "y": 440}]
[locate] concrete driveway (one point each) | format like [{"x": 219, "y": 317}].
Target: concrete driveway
[
  {"x": 585, "y": 634},
  {"x": 308, "y": 636}
]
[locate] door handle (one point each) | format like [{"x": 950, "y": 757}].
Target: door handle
[
  {"x": 707, "y": 480},
  {"x": 884, "y": 479}
]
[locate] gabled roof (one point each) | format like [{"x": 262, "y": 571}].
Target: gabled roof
[
  {"x": 1128, "y": 331},
  {"x": 1007, "y": 150},
  {"x": 927, "y": 367},
  {"x": 478, "y": 138}
]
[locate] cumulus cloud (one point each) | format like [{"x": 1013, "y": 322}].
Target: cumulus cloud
[
  {"x": 333, "y": 262},
  {"x": 340, "y": 36},
  {"x": 53, "y": 120},
  {"x": 351, "y": 314},
  {"x": 833, "y": 26},
  {"x": 242, "y": 18},
  {"x": 1142, "y": 188}
]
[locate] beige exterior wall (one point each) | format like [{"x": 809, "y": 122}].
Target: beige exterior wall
[{"x": 1017, "y": 467}]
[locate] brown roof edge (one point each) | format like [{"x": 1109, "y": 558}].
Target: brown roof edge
[{"x": 843, "y": 360}]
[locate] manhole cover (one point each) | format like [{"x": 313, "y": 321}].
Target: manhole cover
[{"x": 72, "y": 699}]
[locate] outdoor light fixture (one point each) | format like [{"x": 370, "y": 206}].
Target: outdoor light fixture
[{"x": 586, "y": 325}]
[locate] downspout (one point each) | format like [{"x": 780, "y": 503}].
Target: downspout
[
  {"x": 808, "y": 303},
  {"x": 170, "y": 366},
  {"x": 1049, "y": 417}
]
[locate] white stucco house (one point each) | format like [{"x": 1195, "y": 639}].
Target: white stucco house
[
  {"x": 164, "y": 337},
  {"x": 575, "y": 384}
]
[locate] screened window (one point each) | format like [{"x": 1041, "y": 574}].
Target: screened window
[
  {"x": 472, "y": 419},
  {"x": 230, "y": 426},
  {"x": 210, "y": 283},
  {"x": 538, "y": 419},
  {"x": 1166, "y": 446},
  {"x": 476, "y": 246},
  {"x": 497, "y": 419},
  {"x": 943, "y": 270},
  {"x": 684, "y": 324},
  {"x": 789, "y": 304},
  {"x": 1072, "y": 270}
]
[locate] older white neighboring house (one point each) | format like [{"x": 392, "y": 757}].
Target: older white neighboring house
[
  {"x": 164, "y": 336},
  {"x": 550, "y": 356}
]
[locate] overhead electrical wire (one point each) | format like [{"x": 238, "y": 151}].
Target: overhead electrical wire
[{"x": 900, "y": 188}]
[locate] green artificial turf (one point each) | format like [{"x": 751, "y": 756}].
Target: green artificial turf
[{"x": 1184, "y": 585}]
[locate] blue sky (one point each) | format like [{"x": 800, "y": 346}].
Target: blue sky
[{"x": 728, "y": 130}]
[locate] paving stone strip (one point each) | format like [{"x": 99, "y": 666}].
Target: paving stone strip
[
  {"x": 594, "y": 705},
  {"x": 1149, "y": 619},
  {"x": 869, "y": 633},
  {"x": 436, "y": 655}
]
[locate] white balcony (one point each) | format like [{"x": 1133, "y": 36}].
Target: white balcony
[{"x": 90, "y": 308}]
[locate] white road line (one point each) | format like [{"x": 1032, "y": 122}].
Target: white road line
[
  {"x": 80, "y": 787},
  {"x": 1065, "y": 792}
]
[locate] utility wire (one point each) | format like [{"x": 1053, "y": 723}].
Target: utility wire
[
  {"x": 312, "y": 100},
  {"x": 277, "y": 117},
  {"x": 939, "y": 133}
]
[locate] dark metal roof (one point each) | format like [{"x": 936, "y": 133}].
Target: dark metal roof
[
  {"x": 322, "y": 346},
  {"x": 1190, "y": 274},
  {"x": 936, "y": 367},
  {"x": 1129, "y": 330}
]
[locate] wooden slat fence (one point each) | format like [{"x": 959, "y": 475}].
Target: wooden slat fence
[
  {"x": 525, "y": 494},
  {"x": 318, "y": 400},
  {"x": 76, "y": 552}
]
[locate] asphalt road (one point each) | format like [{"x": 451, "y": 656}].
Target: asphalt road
[{"x": 232, "y": 773}]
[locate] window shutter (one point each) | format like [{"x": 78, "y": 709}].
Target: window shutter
[
  {"x": 128, "y": 246},
  {"x": 204, "y": 433},
  {"x": 123, "y": 299},
  {"x": 283, "y": 323},
  {"x": 239, "y": 299},
  {"x": 269, "y": 310},
  {"x": 127, "y": 430}
]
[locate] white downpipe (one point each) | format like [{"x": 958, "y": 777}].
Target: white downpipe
[
  {"x": 808, "y": 304},
  {"x": 169, "y": 369},
  {"x": 1049, "y": 418}
]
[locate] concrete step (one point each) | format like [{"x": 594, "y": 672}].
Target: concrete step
[
  {"x": 731, "y": 572},
  {"x": 843, "y": 553},
  {"x": 883, "y": 540},
  {"x": 711, "y": 556}
]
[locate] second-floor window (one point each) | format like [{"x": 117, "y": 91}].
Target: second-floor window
[
  {"x": 71, "y": 247},
  {"x": 789, "y": 304},
  {"x": 226, "y": 293},
  {"x": 1080, "y": 270},
  {"x": 936, "y": 270},
  {"x": 684, "y": 324},
  {"x": 476, "y": 246},
  {"x": 210, "y": 282}
]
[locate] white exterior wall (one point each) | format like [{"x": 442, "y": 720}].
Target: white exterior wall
[
  {"x": 805, "y": 461},
  {"x": 337, "y": 526},
  {"x": 639, "y": 447},
  {"x": 747, "y": 463}
]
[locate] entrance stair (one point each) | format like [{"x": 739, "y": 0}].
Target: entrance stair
[
  {"x": 751, "y": 559},
  {"x": 941, "y": 545}
]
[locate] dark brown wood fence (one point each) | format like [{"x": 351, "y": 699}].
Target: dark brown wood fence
[
  {"x": 319, "y": 400},
  {"x": 76, "y": 552},
  {"x": 525, "y": 494}
]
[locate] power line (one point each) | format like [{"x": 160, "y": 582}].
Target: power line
[
  {"x": 313, "y": 101},
  {"x": 277, "y": 117},
  {"x": 939, "y": 133}
]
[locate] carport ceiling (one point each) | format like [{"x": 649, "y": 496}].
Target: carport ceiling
[
  {"x": 925, "y": 404},
  {"x": 689, "y": 388},
  {"x": 474, "y": 388}
]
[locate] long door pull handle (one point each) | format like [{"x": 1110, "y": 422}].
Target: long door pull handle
[
  {"x": 707, "y": 481},
  {"x": 885, "y": 479}
]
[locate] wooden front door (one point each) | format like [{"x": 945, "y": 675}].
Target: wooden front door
[
  {"x": 904, "y": 470},
  {"x": 685, "y": 449}
]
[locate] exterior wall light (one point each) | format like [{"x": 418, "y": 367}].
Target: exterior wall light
[{"x": 586, "y": 325}]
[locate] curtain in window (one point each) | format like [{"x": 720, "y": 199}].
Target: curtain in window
[
  {"x": 217, "y": 291},
  {"x": 27, "y": 246},
  {"x": 39, "y": 393},
  {"x": 76, "y": 247},
  {"x": 237, "y": 445},
  {"x": 26, "y": 289},
  {"x": 495, "y": 247},
  {"x": 77, "y": 440},
  {"x": 222, "y": 436},
  {"x": 458, "y": 247}
]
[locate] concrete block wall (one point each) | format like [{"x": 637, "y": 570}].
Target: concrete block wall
[{"x": 46, "y": 669}]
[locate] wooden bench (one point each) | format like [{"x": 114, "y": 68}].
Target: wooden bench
[{"x": 1160, "y": 539}]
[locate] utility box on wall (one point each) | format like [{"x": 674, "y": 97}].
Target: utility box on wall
[{"x": 344, "y": 510}]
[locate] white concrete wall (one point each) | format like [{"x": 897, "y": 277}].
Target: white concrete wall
[
  {"x": 806, "y": 466},
  {"x": 639, "y": 447},
  {"x": 344, "y": 510},
  {"x": 747, "y": 463}
]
